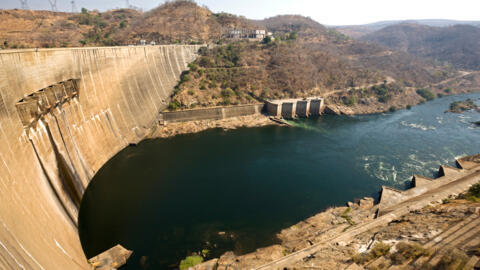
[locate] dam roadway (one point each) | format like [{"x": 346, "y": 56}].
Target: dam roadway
[{"x": 63, "y": 114}]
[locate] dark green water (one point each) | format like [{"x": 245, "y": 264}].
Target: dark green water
[{"x": 167, "y": 198}]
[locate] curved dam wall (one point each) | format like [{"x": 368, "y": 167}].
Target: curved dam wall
[{"x": 63, "y": 114}]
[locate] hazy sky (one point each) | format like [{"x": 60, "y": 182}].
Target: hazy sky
[{"x": 331, "y": 12}]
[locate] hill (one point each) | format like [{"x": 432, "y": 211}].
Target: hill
[
  {"x": 357, "y": 31},
  {"x": 455, "y": 44},
  {"x": 303, "y": 58}
]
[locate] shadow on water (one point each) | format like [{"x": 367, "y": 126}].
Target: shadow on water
[{"x": 222, "y": 191}]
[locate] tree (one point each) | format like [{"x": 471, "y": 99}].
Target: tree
[
  {"x": 292, "y": 35},
  {"x": 267, "y": 40}
]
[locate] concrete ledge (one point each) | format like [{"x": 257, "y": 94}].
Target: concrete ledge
[
  {"x": 213, "y": 113},
  {"x": 419, "y": 181}
]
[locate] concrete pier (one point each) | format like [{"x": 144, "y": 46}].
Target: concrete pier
[{"x": 292, "y": 108}]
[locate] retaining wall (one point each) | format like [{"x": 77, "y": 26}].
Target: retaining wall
[{"x": 210, "y": 113}]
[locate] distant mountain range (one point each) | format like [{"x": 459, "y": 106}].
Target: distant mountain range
[{"x": 357, "y": 31}]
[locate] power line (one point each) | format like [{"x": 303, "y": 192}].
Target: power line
[
  {"x": 74, "y": 7},
  {"x": 53, "y": 4},
  {"x": 24, "y": 4}
]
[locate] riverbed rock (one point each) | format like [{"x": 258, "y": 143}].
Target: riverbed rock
[
  {"x": 332, "y": 109},
  {"x": 366, "y": 203}
]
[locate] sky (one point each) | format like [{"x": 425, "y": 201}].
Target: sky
[{"x": 328, "y": 12}]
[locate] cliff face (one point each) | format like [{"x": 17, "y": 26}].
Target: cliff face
[{"x": 63, "y": 114}]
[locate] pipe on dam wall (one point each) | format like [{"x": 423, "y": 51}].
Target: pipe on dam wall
[{"x": 51, "y": 149}]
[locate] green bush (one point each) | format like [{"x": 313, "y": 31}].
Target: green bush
[
  {"x": 408, "y": 251},
  {"x": 227, "y": 92},
  {"x": 453, "y": 260},
  {"x": 380, "y": 249},
  {"x": 448, "y": 90},
  {"x": 474, "y": 190},
  {"x": 426, "y": 94},
  {"x": 392, "y": 109},
  {"x": 174, "y": 105},
  {"x": 409, "y": 107},
  {"x": 190, "y": 261},
  {"x": 185, "y": 77},
  {"x": 193, "y": 67},
  {"x": 123, "y": 24},
  {"x": 439, "y": 95},
  {"x": 350, "y": 101}
]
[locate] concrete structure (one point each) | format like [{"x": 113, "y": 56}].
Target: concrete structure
[
  {"x": 246, "y": 34},
  {"x": 291, "y": 108},
  {"x": 215, "y": 113},
  {"x": 454, "y": 181},
  {"x": 63, "y": 114}
]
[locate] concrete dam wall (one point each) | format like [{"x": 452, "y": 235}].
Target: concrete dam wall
[{"x": 63, "y": 114}]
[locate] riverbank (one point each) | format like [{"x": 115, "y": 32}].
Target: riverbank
[
  {"x": 379, "y": 236},
  {"x": 178, "y": 128},
  {"x": 364, "y": 107}
]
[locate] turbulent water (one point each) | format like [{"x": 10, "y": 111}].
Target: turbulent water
[{"x": 234, "y": 190}]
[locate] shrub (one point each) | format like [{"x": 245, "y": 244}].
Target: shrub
[
  {"x": 408, "y": 251},
  {"x": 409, "y": 107},
  {"x": 385, "y": 98},
  {"x": 267, "y": 40},
  {"x": 193, "y": 67},
  {"x": 227, "y": 92},
  {"x": 185, "y": 77},
  {"x": 190, "y": 261},
  {"x": 392, "y": 109},
  {"x": 380, "y": 249},
  {"x": 474, "y": 190},
  {"x": 448, "y": 90},
  {"x": 212, "y": 84},
  {"x": 174, "y": 105},
  {"x": 350, "y": 101},
  {"x": 361, "y": 258},
  {"x": 292, "y": 35},
  {"x": 191, "y": 93},
  {"x": 439, "y": 95},
  {"x": 426, "y": 94},
  {"x": 123, "y": 24},
  {"x": 347, "y": 217},
  {"x": 452, "y": 260}
]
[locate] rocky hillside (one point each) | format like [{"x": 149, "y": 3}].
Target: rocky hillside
[
  {"x": 357, "y": 31},
  {"x": 456, "y": 45},
  {"x": 304, "y": 59},
  {"x": 45, "y": 29}
]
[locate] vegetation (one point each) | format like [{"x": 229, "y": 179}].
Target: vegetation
[
  {"x": 473, "y": 193},
  {"x": 347, "y": 217},
  {"x": 408, "y": 251},
  {"x": 453, "y": 260},
  {"x": 190, "y": 261},
  {"x": 462, "y": 106},
  {"x": 446, "y": 44},
  {"x": 426, "y": 94},
  {"x": 378, "y": 250}
]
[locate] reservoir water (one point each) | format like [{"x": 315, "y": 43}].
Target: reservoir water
[{"x": 234, "y": 190}]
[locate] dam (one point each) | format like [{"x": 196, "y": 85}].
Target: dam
[{"x": 63, "y": 114}]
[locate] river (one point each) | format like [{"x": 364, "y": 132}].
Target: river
[{"x": 234, "y": 190}]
